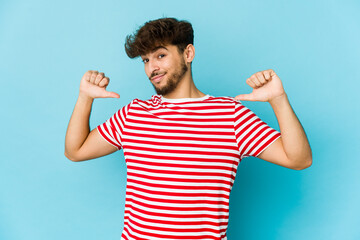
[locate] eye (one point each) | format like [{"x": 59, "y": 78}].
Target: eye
[
  {"x": 161, "y": 55},
  {"x": 145, "y": 60}
]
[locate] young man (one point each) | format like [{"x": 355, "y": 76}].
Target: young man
[{"x": 182, "y": 147}]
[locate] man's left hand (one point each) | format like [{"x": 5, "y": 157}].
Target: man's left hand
[{"x": 266, "y": 87}]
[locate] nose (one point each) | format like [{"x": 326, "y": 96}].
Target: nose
[{"x": 153, "y": 67}]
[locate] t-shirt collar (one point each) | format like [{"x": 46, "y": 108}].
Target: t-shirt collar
[{"x": 178, "y": 100}]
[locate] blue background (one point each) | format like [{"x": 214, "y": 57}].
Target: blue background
[{"x": 47, "y": 46}]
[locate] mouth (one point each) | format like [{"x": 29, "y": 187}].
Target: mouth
[{"x": 157, "y": 78}]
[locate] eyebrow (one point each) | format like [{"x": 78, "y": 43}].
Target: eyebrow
[{"x": 157, "y": 48}]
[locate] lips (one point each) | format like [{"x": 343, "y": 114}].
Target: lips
[{"x": 158, "y": 78}]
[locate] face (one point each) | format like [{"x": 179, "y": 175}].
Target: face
[{"x": 165, "y": 68}]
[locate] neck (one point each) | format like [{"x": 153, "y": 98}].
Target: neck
[{"x": 185, "y": 89}]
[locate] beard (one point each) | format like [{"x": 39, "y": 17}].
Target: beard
[{"x": 173, "y": 80}]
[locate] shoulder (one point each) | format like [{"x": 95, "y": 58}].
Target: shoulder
[
  {"x": 224, "y": 100},
  {"x": 152, "y": 102},
  {"x": 155, "y": 101}
]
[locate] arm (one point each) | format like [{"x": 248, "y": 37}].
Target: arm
[
  {"x": 292, "y": 150},
  {"x": 80, "y": 143}
]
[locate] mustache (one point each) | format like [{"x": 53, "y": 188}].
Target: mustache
[{"x": 155, "y": 74}]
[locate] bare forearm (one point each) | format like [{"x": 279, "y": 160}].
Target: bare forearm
[
  {"x": 78, "y": 128},
  {"x": 294, "y": 139}
]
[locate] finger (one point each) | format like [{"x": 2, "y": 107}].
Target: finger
[
  {"x": 113, "y": 95},
  {"x": 98, "y": 78},
  {"x": 93, "y": 76},
  {"x": 245, "y": 97},
  {"x": 104, "y": 82},
  {"x": 267, "y": 75},
  {"x": 256, "y": 81},
  {"x": 87, "y": 76},
  {"x": 272, "y": 72},
  {"x": 250, "y": 82},
  {"x": 261, "y": 78},
  {"x": 106, "y": 94}
]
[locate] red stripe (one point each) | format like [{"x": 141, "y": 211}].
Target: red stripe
[
  {"x": 228, "y": 106},
  {"x": 169, "y": 124},
  {"x": 177, "y": 187},
  {"x": 207, "y": 174},
  {"x": 170, "y": 215},
  {"x": 112, "y": 132},
  {"x": 169, "y": 144},
  {"x": 183, "y": 166},
  {"x": 156, "y": 207},
  {"x": 247, "y": 136},
  {"x": 182, "y": 131},
  {"x": 189, "y": 201},
  {"x": 107, "y": 139},
  {"x": 266, "y": 143},
  {"x": 230, "y": 118},
  {"x": 169, "y": 236},
  {"x": 182, "y": 151},
  {"x": 153, "y": 235},
  {"x": 154, "y": 220},
  {"x": 210, "y": 195},
  {"x": 132, "y": 134},
  {"x": 195, "y": 164}
]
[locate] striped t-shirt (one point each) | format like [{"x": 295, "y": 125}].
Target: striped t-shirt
[{"x": 182, "y": 157}]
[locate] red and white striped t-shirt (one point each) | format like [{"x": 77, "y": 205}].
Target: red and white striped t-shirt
[{"x": 182, "y": 157}]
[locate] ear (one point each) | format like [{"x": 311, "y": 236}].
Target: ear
[{"x": 189, "y": 53}]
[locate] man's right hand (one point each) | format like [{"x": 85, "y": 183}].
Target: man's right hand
[{"x": 93, "y": 85}]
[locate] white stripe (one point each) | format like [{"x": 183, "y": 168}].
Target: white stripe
[
  {"x": 148, "y": 223},
  {"x": 171, "y": 197},
  {"x": 180, "y": 148},
  {"x": 261, "y": 128},
  {"x": 173, "y": 233},
  {"x": 187, "y": 116},
  {"x": 215, "y": 212},
  {"x": 171, "y": 175},
  {"x": 243, "y": 118},
  {"x": 188, "y": 105},
  {"x": 187, "y": 141},
  {"x": 147, "y": 126},
  {"x": 170, "y": 190},
  {"x": 188, "y": 170},
  {"x": 228, "y": 111},
  {"x": 180, "y": 205},
  {"x": 108, "y": 135},
  {"x": 146, "y": 236},
  {"x": 263, "y": 142},
  {"x": 188, "y": 155},
  {"x": 162, "y": 120},
  {"x": 186, "y": 163},
  {"x": 180, "y": 219},
  {"x": 189, "y": 135},
  {"x": 184, "y": 184}
]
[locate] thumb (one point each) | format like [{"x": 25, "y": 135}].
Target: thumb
[
  {"x": 112, "y": 95},
  {"x": 245, "y": 97}
]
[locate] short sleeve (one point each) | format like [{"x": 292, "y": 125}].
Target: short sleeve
[
  {"x": 252, "y": 134},
  {"x": 113, "y": 128}
]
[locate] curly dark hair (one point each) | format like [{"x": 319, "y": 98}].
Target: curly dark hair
[{"x": 159, "y": 32}]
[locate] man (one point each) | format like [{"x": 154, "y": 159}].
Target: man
[{"x": 182, "y": 147}]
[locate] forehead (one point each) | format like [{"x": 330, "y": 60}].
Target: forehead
[{"x": 159, "y": 47}]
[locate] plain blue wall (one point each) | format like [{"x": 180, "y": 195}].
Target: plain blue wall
[{"x": 47, "y": 46}]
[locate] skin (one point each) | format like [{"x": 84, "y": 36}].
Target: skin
[
  {"x": 168, "y": 60},
  {"x": 291, "y": 150},
  {"x": 173, "y": 73}
]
